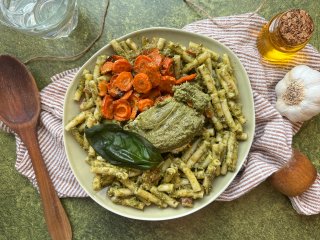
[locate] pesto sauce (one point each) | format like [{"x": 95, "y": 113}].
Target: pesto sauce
[
  {"x": 191, "y": 95},
  {"x": 168, "y": 125}
]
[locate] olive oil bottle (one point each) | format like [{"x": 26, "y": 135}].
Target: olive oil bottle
[{"x": 285, "y": 34}]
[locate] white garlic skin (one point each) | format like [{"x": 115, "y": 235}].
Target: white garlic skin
[{"x": 310, "y": 104}]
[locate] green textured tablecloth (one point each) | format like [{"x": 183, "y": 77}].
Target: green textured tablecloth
[{"x": 261, "y": 214}]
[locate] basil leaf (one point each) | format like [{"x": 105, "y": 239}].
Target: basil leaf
[{"x": 121, "y": 147}]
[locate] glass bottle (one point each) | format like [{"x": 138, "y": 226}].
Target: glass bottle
[{"x": 285, "y": 34}]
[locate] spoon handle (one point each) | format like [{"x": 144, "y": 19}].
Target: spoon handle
[{"x": 55, "y": 215}]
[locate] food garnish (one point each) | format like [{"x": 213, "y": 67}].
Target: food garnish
[{"x": 121, "y": 147}]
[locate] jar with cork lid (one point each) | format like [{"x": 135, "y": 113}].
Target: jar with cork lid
[{"x": 285, "y": 34}]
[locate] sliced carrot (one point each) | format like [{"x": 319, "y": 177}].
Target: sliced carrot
[
  {"x": 134, "y": 112},
  {"x": 152, "y": 94},
  {"x": 186, "y": 78},
  {"x": 106, "y": 67},
  {"x": 155, "y": 55},
  {"x": 127, "y": 95},
  {"x": 141, "y": 83},
  {"x": 107, "y": 107},
  {"x": 166, "y": 84},
  {"x": 121, "y": 65},
  {"x": 167, "y": 62},
  {"x": 145, "y": 104},
  {"x": 141, "y": 62},
  {"x": 167, "y": 66},
  {"x": 114, "y": 76},
  {"x": 135, "y": 96},
  {"x": 117, "y": 57},
  {"x": 121, "y": 110},
  {"x": 123, "y": 81},
  {"x": 146, "y": 65},
  {"x": 114, "y": 58},
  {"x": 133, "y": 100},
  {"x": 153, "y": 74},
  {"x": 109, "y": 84},
  {"x": 148, "y": 51},
  {"x": 102, "y": 86},
  {"x": 120, "y": 119},
  {"x": 114, "y": 91}
]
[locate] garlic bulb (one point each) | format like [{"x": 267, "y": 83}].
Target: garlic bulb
[{"x": 298, "y": 94}]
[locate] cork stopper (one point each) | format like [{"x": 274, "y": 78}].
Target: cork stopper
[{"x": 295, "y": 27}]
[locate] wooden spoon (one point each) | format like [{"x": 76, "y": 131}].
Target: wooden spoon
[{"x": 20, "y": 110}]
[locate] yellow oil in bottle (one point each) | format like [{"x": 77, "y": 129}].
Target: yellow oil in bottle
[{"x": 284, "y": 35}]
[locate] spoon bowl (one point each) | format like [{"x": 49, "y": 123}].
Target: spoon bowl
[
  {"x": 17, "y": 84},
  {"x": 20, "y": 111}
]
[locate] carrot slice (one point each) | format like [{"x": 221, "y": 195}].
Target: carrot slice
[
  {"x": 141, "y": 83},
  {"x": 123, "y": 81},
  {"x": 135, "y": 96},
  {"x": 114, "y": 58},
  {"x": 153, "y": 74},
  {"x": 167, "y": 65},
  {"x": 141, "y": 62},
  {"x": 152, "y": 94},
  {"x": 107, "y": 107},
  {"x": 166, "y": 84},
  {"x": 115, "y": 92},
  {"x": 155, "y": 55},
  {"x": 146, "y": 65},
  {"x": 186, "y": 78},
  {"x": 145, "y": 104},
  {"x": 134, "y": 112},
  {"x": 121, "y": 65},
  {"x": 117, "y": 57},
  {"x": 113, "y": 78},
  {"x": 127, "y": 95},
  {"x": 102, "y": 86},
  {"x": 121, "y": 110},
  {"x": 148, "y": 51},
  {"x": 106, "y": 67}
]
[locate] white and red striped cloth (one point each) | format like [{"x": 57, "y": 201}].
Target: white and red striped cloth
[{"x": 271, "y": 147}]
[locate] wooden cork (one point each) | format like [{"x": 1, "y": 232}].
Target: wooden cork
[{"x": 295, "y": 27}]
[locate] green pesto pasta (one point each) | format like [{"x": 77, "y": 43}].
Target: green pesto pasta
[{"x": 188, "y": 172}]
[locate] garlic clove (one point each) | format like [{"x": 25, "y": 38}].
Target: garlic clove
[
  {"x": 308, "y": 110},
  {"x": 309, "y": 76},
  {"x": 296, "y": 177},
  {"x": 313, "y": 93},
  {"x": 300, "y": 72},
  {"x": 293, "y": 113},
  {"x": 281, "y": 87}
]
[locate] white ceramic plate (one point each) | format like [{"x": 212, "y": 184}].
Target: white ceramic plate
[{"x": 76, "y": 155}]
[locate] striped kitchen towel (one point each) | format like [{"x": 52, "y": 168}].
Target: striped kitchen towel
[{"x": 271, "y": 147}]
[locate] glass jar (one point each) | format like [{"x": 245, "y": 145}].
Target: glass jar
[
  {"x": 45, "y": 18},
  {"x": 285, "y": 34}
]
